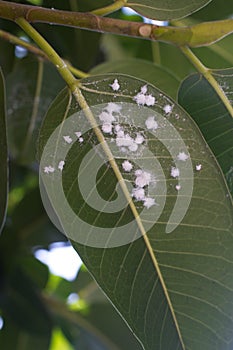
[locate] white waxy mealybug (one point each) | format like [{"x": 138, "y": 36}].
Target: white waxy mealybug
[
  {"x": 175, "y": 172},
  {"x": 61, "y": 165},
  {"x": 49, "y": 169},
  {"x": 67, "y": 139},
  {"x": 127, "y": 166},
  {"x": 115, "y": 85},
  {"x": 151, "y": 123},
  {"x": 182, "y": 156}
]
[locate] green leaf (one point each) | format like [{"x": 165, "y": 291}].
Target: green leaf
[
  {"x": 152, "y": 73},
  {"x": 30, "y": 88},
  {"x": 170, "y": 9},
  {"x": 176, "y": 283},
  {"x": 21, "y": 303},
  {"x": 3, "y": 154},
  {"x": 214, "y": 11},
  {"x": 34, "y": 229},
  {"x": 215, "y": 121},
  {"x": 218, "y": 55},
  {"x": 13, "y": 337}
]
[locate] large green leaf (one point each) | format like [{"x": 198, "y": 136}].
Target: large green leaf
[
  {"x": 203, "y": 103},
  {"x": 154, "y": 74},
  {"x": 3, "y": 154},
  {"x": 169, "y": 9},
  {"x": 173, "y": 289}
]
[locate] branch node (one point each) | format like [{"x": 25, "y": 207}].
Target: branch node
[{"x": 145, "y": 30}]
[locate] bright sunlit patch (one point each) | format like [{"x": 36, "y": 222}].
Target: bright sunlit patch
[
  {"x": 72, "y": 298},
  {"x": 1, "y": 322},
  {"x": 62, "y": 260},
  {"x": 21, "y": 52},
  {"x": 129, "y": 12}
]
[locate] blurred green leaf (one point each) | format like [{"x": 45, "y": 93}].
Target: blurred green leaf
[
  {"x": 120, "y": 47},
  {"x": 30, "y": 88},
  {"x": 35, "y": 270},
  {"x": 20, "y": 301},
  {"x": 80, "y": 333},
  {"x": 166, "y": 10},
  {"x": 102, "y": 314},
  {"x": 3, "y": 154},
  {"x": 218, "y": 55},
  {"x": 178, "y": 64},
  {"x": 199, "y": 98},
  {"x": 131, "y": 275},
  {"x": 214, "y": 11},
  {"x": 6, "y": 59},
  {"x": 59, "y": 342},
  {"x": 148, "y": 71},
  {"x": 34, "y": 229},
  {"x": 14, "y": 338}
]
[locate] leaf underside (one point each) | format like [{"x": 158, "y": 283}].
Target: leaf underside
[{"x": 177, "y": 283}]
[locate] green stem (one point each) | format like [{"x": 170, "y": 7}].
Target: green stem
[
  {"x": 208, "y": 76},
  {"x": 50, "y": 52},
  {"x": 117, "y": 5}
]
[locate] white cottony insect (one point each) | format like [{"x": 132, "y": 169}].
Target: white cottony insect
[
  {"x": 150, "y": 100},
  {"x": 167, "y": 109},
  {"x": 143, "y": 178},
  {"x": 144, "y": 89},
  {"x": 142, "y": 99},
  {"x": 127, "y": 166},
  {"x": 67, "y": 139},
  {"x": 139, "y": 139},
  {"x": 151, "y": 123},
  {"x": 78, "y": 134},
  {"x": 138, "y": 193},
  {"x": 148, "y": 202},
  {"x": 115, "y": 86},
  {"x": 61, "y": 165},
  {"x": 49, "y": 169},
  {"x": 175, "y": 172},
  {"x": 106, "y": 117},
  {"x": 182, "y": 156},
  {"x": 198, "y": 167},
  {"x": 113, "y": 107},
  {"x": 178, "y": 187},
  {"x": 107, "y": 128}
]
